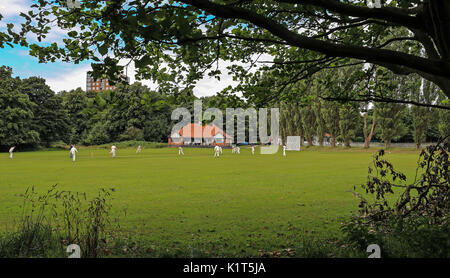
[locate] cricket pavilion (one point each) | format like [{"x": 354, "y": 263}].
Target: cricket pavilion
[{"x": 195, "y": 134}]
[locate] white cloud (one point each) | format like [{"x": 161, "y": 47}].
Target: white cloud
[
  {"x": 11, "y": 8},
  {"x": 207, "y": 86},
  {"x": 74, "y": 76},
  {"x": 69, "y": 78}
]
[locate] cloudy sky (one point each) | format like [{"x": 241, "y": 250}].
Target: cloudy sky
[{"x": 65, "y": 76}]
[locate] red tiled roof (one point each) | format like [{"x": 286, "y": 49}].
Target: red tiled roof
[{"x": 194, "y": 130}]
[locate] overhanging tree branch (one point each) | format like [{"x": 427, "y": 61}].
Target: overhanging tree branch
[{"x": 372, "y": 55}]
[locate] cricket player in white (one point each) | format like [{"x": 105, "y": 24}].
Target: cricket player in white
[
  {"x": 73, "y": 150},
  {"x": 139, "y": 149},
  {"x": 284, "y": 150},
  {"x": 220, "y": 148},
  {"x": 113, "y": 150},
  {"x": 238, "y": 150},
  {"x": 180, "y": 151},
  {"x": 216, "y": 151},
  {"x": 253, "y": 150},
  {"x": 11, "y": 152}
]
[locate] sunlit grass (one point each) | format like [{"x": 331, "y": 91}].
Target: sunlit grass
[{"x": 238, "y": 202}]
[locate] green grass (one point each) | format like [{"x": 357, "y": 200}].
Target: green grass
[{"x": 239, "y": 204}]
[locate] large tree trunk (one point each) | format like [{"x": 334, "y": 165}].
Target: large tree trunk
[{"x": 368, "y": 138}]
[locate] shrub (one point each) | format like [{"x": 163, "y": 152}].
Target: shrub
[
  {"x": 417, "y": 224},
  {"x": 97, "y": 135},
  {"x": 52, "y": 221},
  {"x": 132, "y": 133}
]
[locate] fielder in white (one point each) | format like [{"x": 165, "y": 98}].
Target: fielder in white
[
  {"x": 180, "y": 151},
  {"x": 11, "y": 152},
  {"x": 253, "y": 150},
  {"x": 139, "y": 149},
  {"x": 284, "y": 150},
  {"x": 113, "y": 150},
  {"x": 238, "y": 150},
  {"x": 216, "y": 151},
  {"x": 220, "y": 148},
  {"x": 73, "y": 150}
]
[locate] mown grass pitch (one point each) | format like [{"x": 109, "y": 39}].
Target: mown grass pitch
[{"x": 242, "y": 203}]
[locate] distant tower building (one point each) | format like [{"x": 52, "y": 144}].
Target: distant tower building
[{"x": 93, "y": 85}]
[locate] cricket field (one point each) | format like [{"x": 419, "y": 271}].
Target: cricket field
[{"x": 239, "y": 202}]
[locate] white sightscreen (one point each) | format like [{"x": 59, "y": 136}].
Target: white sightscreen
[{"x": 293, "y": 143}]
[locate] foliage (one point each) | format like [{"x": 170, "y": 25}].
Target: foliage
[
  {"x": 16, "y": 112},
  {"x": 391, "y": 126},
  {"x": 51, "y": 221},
  {"x": 97, "y": 135},
  {"x": 176, "y": 43},
  {"x": 74, "y": 102},
  {"x": 417, "y": 224},
  {"x": 349, "y": 119},
  {"x": 50, "y": 120},
  {"x": 290, "y": 121},
  {"x": 330, "y": 114},
  {"x": 421, "y": 116},
  {"x": 308, "y": 123}
]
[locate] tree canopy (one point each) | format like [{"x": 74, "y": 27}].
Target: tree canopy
[{"x": 178, "y": 42}]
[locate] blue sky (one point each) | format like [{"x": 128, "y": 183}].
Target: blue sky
[
  {"x": 66, "y": 76},
  {"x": 59, "y": 76}
]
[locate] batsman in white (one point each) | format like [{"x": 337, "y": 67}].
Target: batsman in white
[
  {"x": 216, "y": 151},
  {"x": 11, "y": 152},
  {"x": 180, "y": 151},
  {"x": 139, "y": 149},
  {"x": 113, "y": 150},
  {"x": 72, "y": 151}
]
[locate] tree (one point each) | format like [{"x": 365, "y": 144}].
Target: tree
[
  {"x": 291, "y": 121},
  {"x": 390, "y": 115},
  {"x": 16, "y": 112},
  {"x": 190, "y": 36},
  {"x": 50, "y": 120},
  {"x": 97, "y": 135},
  {"x": 421, "y": 115},
  {"x": 368, "y": 115},
  {"x": 391, "y": 126},
  {"x": 136, "y": 113},
  {"x": 320, "y": 121},
  {"x": 75, "y": 102},
  {"x": 330, "y": 114},
  {"x": 349, "y": 119},
  {"x": 308, "y": 123},
  {"x": 444, "y": 120}
]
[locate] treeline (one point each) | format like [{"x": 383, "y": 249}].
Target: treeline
[
  {"x": 31, "y": 114},
  {"x": 352, "y": 122},
  {"x": 365, "y": 121}
]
